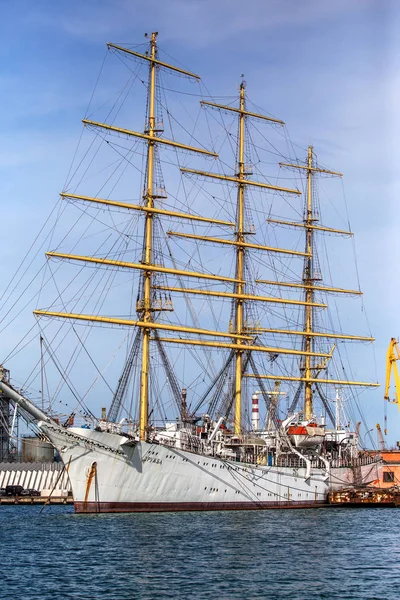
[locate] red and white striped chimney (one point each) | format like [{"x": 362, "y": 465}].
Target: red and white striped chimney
[{"x": 255, "y": 418}]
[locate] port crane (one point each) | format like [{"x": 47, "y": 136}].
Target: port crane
[
  {"x": 393, "y": 354},
  {"x": 381, "y": 440}
]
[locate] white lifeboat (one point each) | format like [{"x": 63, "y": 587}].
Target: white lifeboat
[{"x": 307, "y": 435}]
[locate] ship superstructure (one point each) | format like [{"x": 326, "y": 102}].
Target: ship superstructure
[{"x": 219, "y": 458}]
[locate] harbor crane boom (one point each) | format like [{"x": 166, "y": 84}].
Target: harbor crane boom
[
  {"x": 381, "y": 439},
  {"x": 393, "y": 354}
]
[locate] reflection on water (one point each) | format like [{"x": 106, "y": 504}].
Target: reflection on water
[{"x": 297, "y": 554}]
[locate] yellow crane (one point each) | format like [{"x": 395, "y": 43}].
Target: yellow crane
[{"x": 393, "y": 354}]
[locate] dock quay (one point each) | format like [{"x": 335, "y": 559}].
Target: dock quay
[
  {"x": 368, "y": 497},
  {"x": 24, "y": 500},
  {"x": 34, "y": 483}
]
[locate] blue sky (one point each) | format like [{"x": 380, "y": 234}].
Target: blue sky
[{"x": 329, "y": 69}]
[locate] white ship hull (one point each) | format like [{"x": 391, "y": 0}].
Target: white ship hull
[{"x": 110, "y": 473}]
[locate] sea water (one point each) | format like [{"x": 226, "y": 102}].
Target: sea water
[{"x": 328, "y": 553}]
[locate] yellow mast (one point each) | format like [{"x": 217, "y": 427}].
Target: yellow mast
[
  {"x": 311, "y": 371},
  {"x": 308, "y": 279},
  {"x": 144, "y": 307},
  {"x": 241, "y": 182},
  {"x": 239, "y": 266}
]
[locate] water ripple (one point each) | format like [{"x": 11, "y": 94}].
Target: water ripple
[{"x": 332, "y": 554}]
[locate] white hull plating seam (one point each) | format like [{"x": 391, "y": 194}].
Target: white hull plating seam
[{"x": 108, "y": 470}]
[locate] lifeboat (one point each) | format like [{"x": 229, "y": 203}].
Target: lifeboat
[{"x": 307, "y": 435}]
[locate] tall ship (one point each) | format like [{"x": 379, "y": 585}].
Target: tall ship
[{"x": 231, "y": 394}]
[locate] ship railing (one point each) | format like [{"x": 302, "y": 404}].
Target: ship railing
[
  {"x": 193, "y": 444},
  {"x": 296, "y": 462},
  {"x": 355, "y": 462},
  {"x": 167, "y": 441}
]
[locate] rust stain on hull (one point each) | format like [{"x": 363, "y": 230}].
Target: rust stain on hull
[{"x": 90, "y": 477}]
